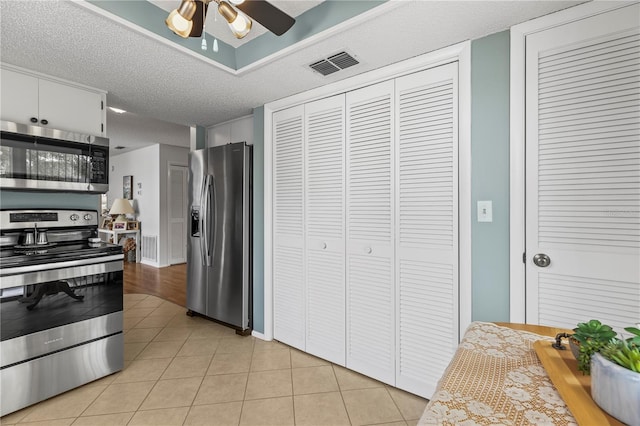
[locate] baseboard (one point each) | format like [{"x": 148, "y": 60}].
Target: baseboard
[{"x": 259, "y": 335}]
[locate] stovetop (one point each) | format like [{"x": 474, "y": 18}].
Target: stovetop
[{"x": 60, "y": 252}]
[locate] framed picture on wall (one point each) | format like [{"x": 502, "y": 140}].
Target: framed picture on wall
[
  {"x": 119, "y": 225},
  {"x": 127, "y": 187}
]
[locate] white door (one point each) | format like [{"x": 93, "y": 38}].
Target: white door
[
  {"x": 583, "y": 171},
  {"x": 325, "y": 234},
  {"x": 426, "y": 226},
  {"x": 370, "y": 238},
  {"x": 288, "y": 227},
  {"x": 177, "y": 208}
]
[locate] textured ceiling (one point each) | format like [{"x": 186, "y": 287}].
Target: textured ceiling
[{"x": 155, "y": 80}]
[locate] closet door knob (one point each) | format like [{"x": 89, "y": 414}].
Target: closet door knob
[
  {"x": 33, "y": 119},
  {"x": 45, "y": 122}
]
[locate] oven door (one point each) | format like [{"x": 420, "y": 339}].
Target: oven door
[{"x": 43, "y": 310}]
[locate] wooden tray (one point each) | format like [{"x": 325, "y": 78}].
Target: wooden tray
[{"x": 572, "y": 385}]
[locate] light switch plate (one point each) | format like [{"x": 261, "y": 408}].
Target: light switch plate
[{"x": 485, "y": 211}]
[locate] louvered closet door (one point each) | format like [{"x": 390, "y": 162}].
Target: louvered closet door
[
  {"x": 583, "y": 171},
  {"x": 427, "y": 226},
  {"x": 325, "y": 234},
  {"x": 370, "y": 276},
  {"x": 288, "y": 224}
]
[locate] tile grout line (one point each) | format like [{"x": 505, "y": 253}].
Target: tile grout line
[{"x": 344, "y": 404}]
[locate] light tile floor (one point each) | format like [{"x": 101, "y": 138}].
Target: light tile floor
[{"x": 182, "y": 370}]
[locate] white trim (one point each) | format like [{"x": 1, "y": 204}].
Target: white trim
[
  {"x": 336, "y": 29},
  {"x": 268, "y": 224},
  {"x": 517, "y": 140},
  {"x": 259, "y": 335},
  {"x": 461, "y": 53},
  {"x": 464, "y": 189}
]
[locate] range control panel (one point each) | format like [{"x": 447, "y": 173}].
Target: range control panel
[{"x": 20, "y": 219}]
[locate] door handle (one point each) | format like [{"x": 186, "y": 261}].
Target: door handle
[
  {"x": 214, "y": 212},
  {"x": 201, "y": 219},
  {"x": 541, "y": 260}
]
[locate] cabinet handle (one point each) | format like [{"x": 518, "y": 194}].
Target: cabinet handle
[
  {"x": 368, "y": 250},
  {"x": 45, "y": 122},
  {"x": 324, "y": 246},
  {"x": 33, "y": 119}
]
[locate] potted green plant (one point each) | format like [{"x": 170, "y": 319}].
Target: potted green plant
[
  {"x": 615, "y": 378},
  {"x": 588, "y": 338}
]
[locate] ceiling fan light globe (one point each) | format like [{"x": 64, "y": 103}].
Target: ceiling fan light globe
[
  {"x": 180, "y": 20},
  {"x": 241, "y": 26},
  {"x": 236, "y": 2}
]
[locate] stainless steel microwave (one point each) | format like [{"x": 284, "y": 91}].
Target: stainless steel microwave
[{"x": 39, "y": 158}]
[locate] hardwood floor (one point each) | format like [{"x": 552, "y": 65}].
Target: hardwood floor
[{"x": 169, "y": 283}]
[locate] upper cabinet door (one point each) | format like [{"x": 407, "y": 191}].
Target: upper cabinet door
[
  {"x": 427, "y": 226},
  {"x": 70, "y": 108},
  {"x": 19, "y": 97},
  {"x": 370, "y": 219},
  {"x": 288, "y": 227},
  {"x": 28, "y": 99},
  {"x": 325, "y": 234}
]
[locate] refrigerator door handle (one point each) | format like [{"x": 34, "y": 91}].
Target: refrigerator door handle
[
  {"x": 204, "y": 213},
  {"x": 214, "y": 213},
  {"x": 210, "y": 212}
]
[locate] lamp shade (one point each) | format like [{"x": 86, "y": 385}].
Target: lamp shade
[{"x": 121, "y": 207}]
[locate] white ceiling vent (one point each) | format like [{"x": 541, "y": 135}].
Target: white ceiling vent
[{"x": 334, "y": 63}]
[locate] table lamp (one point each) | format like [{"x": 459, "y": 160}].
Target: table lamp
[{"x": 121, "y": 207}]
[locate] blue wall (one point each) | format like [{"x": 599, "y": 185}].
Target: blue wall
[
  {"x": 201, "y": 137},
  {"x": 490, "y": 176},
  {"x": 258, "y": 219}
]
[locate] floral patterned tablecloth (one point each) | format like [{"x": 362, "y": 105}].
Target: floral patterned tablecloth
[{"x": 496, "y": 378}]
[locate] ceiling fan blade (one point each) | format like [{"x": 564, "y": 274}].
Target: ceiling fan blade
[
  {"x": 198, "y": 19},
  {"x": 267, "y": 15}
]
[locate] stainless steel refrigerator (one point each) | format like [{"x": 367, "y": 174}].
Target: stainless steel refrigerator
[{"x": 219, "y": 252}]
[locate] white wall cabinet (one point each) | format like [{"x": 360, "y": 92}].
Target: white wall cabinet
[
  {"x": 33, "y": 99},
  {"x": 238, "y": 130},
  {"x": 365, "y": 228}
]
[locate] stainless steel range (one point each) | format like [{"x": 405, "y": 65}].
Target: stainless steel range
[{"x": 60, "y": 304}]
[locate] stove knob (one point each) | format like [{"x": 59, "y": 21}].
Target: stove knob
[
  {"x": 87, "y": 216},
  {"x": 74, "y": 217}
]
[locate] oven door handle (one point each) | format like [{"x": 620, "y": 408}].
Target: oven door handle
[{"x": 59, "y": 265}]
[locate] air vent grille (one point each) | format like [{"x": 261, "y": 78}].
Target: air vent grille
[
  {"x": 334, "y": 63},
  {"x": 324, "y": 67}
]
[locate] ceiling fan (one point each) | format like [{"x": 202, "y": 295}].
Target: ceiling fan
[{"x": 188, "y": 19}]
